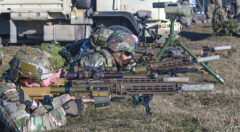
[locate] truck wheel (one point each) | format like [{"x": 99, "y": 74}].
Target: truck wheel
[
  {"x": 119, "y": 27},
  {"x": 82, "y": 4}
]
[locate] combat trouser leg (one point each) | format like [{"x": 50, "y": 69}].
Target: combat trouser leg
[
  {"x": 238, "y": 7},
  {"x": 48, "y": 121},
  {"x": 16, "y": 118}
]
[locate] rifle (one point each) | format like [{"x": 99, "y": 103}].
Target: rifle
[
  {"x": 170, "y": 64},
  {"x": 199, "y": 50},
  {"x": 127, "y": 85},
  {"x": 173, "y": 72},
  {"x": 170, "y": 67},
  {"x": 207, "y": 49}
]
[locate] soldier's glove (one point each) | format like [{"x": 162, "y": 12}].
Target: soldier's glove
[
  {"x": 17, "y": 95},
  {"x": 73, "y": 108}
]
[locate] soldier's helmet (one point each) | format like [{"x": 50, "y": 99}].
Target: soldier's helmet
[
  {"x": 32, "y": 63},
  {"x": 101, "y": 35},
  {"x": 122, "y": 41}
]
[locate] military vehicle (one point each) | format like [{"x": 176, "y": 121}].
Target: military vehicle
[{"x": 24, "y": 21}]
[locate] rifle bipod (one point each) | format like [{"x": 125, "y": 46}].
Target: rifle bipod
[
  {"x": 172, "y": 39},
  {"x": 144, "y": 100}
]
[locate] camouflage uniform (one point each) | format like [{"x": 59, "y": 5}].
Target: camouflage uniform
[
  {"x": 237, "y": 3},
  {"x": 222, "y": 26},
  {"x": 212, "y": 7},
  {"x": 97, "y": 59},
  {"x": 117, "y": 41},
  {"x": 15, "y": 117},
  {"x": 219, "y": 3},
  {"x": 219, "y": 17},
  {"x": 210, "y": 10}
]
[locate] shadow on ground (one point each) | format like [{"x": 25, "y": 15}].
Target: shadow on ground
[{"x": 194, "y": 36}]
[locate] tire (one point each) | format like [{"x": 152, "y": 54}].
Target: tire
[
  {"x": 82, "y": 4},
  {"x": 119, "y": 27}
]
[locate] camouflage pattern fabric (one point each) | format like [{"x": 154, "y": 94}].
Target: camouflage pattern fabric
[
  {"x": 32, "y": 63},
  {"x": 237, "y": 7},
  {"x": 222, "y": 26},
  {"x": 107, "y": 55},
  {"x": 219, "y": 3},
  {"x": 101, "y": 36},
  {"x": 210, "y": 10},
  {"x": 122, "y": 41},
  {"x": 97, "y": 59},
  {"x": 219, "y": 17},
  {"x": 15, "y": 117},
  {"x": 101, "y": 57},
  {"x": 230, "y": 27},
  {"x": 53, "y": 50}
]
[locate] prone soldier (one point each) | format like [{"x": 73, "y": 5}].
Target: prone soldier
[
  {"x": 33, "y": 67},
  {"x": 220, "y": 23},
  {"x": 20, "y": 113},
  {"x": 113, "y": 49}
]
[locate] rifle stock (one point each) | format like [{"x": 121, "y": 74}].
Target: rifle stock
[{"x": 95, "y": 90}]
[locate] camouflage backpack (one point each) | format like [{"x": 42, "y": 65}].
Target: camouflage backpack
[
  {"x": 93, "y": 61},
  {"x": 32, "y": 63},
  {"x": 101, "y": 36},
  {"x": 53, "y": 50}
]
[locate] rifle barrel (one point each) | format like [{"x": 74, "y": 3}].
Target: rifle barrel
[
  {"x": 197, "y": 87},
  {"x": 208, "y": 58},
  {"x": 219, "y": 48},
  {"x": 144, "y": 88},
  {"x": 176, "y": 79}
]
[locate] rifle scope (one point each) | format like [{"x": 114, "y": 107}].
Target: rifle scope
[{"x": 174, "y": 9}]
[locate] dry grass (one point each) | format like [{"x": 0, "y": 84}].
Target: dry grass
[{"x": 217, "y": 111}]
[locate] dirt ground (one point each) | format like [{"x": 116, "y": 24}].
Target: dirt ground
[{"x": 216, "y": 111}]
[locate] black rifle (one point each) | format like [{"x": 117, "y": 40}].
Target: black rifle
[{"x": 173, "y": 72}]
